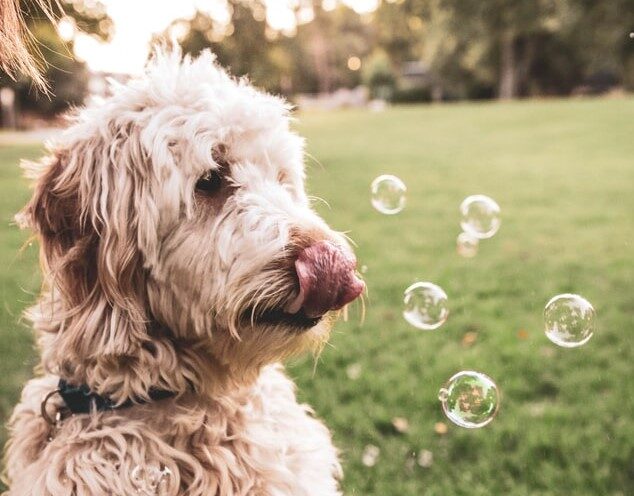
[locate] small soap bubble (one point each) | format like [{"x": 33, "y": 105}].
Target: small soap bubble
[
  {"x": 632, "y": 35},
  {"x": 480, "y": 216},
  {"x": 364, "y": 269},
  {"x": 569, "y": 320},
  {"x": 388, "y": 194},
  {"x": 425, "y": 306},
  {"x": 150, "y": 480},
  {"x": 467, "y": 245},
  {"x": 469, "y": 399}
]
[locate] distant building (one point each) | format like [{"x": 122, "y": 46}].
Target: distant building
[
  {"x": 415, "y": 74},
  {"x": 417, "y": 79}
]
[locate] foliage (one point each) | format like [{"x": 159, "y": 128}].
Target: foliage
[
  {"x": 312, "y": 59},
  {"x": 378, "y": 75},
  {"x": 522, "y": 48},
  {"x": 472, "y": 49}
]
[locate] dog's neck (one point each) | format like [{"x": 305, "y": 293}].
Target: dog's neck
[
  {"x": 162, "y": 361},
  {"x": 178, "y": 366}
]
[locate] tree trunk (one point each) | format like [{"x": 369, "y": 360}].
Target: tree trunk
[
  {"x": 320, "y": 59},
  {"x": 524, "y": 67},
  {"x": 8, "y": 113},
  {"x": 508, "y": 80},
  {"x": 437, "y": 93}
]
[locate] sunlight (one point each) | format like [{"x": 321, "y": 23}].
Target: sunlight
[{"x": 136, "y": 22}]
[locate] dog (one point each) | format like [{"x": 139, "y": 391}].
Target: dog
[{"x": 182, "y": 262}]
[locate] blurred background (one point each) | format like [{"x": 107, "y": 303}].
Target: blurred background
[
  {"x": 523, "y": 100},
  {"x": 335, "y": 53}
]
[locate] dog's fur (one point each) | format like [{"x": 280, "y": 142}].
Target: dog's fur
[
  {"x": 17, "y": 45},
  {"x": 151, "y": 283}
]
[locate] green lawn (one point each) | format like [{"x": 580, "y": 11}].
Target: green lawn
[{"x": 563, "y": 174}]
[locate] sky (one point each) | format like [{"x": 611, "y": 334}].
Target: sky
[{"x": 136, "y": 21}]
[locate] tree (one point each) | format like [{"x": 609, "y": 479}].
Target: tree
[
  {"x": 599, "y": 33},
  {"x": 401, "y": 28},
  {"x": 535, "y": 47},
  {"x": 329, "y": 40},
  {"x": 246, "y": 45},
  {"x": 378, "y": 75},
  {"x": 500, "y": 32},
  {"x": 313, "y": 59}
]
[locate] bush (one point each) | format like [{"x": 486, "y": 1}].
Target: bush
[{"x": 411, "y": 95}]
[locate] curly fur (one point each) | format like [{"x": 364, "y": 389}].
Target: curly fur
[{"x": 148, "y": 283}]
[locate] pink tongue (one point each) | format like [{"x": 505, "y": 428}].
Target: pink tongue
[{"x": 326, "y": 279}]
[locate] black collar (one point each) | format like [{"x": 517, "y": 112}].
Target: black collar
[{"x": 79, "y": 399}]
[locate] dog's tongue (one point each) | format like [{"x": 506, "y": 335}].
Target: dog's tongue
[{"x": 327, "y": 279}]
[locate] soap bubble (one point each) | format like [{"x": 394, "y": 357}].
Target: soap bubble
[
  {"x": 569, "y": 320},
  {"x": 480, "y": 216},
  {"x": 425, "y": 306},
  {"x": 388, "y": 194},
  {"x": 470, "y": 399},
  {"x": 467, "y": 245},
  {"x": 149, "y": 480}
]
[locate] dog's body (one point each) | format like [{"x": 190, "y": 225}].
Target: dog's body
[
  {"x": 257, "y": 441},
  {"x": 179, "y": 253}
]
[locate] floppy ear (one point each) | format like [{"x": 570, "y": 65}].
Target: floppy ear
[{"x": 82, "y": 210}]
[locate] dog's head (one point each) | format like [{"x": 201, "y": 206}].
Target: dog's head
[{"x": 175, "y": 212}]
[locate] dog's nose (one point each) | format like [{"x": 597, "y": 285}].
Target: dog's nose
[{"x": 327, "y": 279}]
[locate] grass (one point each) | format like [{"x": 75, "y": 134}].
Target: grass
[
  {"x": 19, "y": 282},
  {"x": 563, "y": 173}
]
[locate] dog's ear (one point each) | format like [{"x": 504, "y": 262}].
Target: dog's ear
[
  {"x": 51, "y": 209},
  {"x": 82, "y": 211}
]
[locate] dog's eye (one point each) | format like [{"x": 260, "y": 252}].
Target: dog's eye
[{"x": 209, "y": 182}]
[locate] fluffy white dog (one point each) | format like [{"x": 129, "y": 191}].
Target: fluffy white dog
[{"x": 181, "y": 262}]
